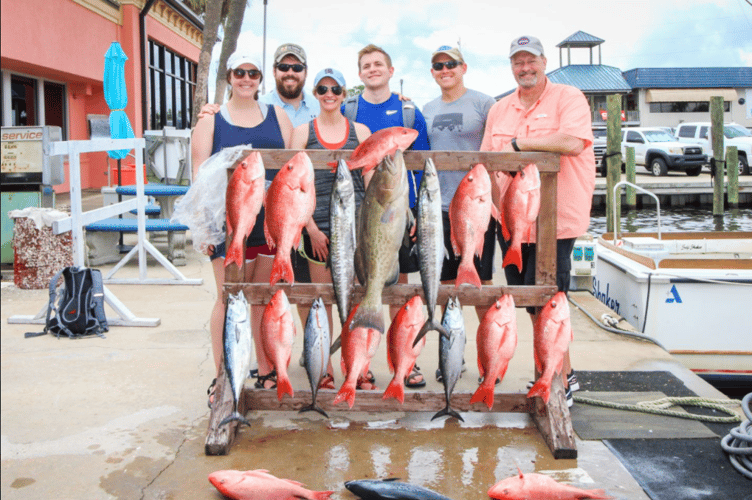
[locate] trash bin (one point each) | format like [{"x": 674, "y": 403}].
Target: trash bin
[{"x": 38, "y": 253}]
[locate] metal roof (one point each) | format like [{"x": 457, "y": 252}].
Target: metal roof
[
  {"x": 581, "y": 39},
  {"x": 591, "y": 78},
  {"x": 693, "y": 78}
]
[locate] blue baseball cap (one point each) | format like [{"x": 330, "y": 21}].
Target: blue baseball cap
[{"x": 332, "y": 73}]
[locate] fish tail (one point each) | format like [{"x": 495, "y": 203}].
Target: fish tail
[
  {"x": 448, "y": 412},
  {"x": 235, "y": 253},
  {"x": 314, "y": 407},
  {"x": 283, "y": 386},
  {"x": 513, "y": 256},
  {"x": 466, "y": 273},
  {"x": 395, "y": 390},
  {"x": 235, "y": 417},
  {"x": 282, "y": 269},
  {"x": 428, "y": 326},
  {"x": 322, "y": 495},
  {"x": 598, "y": 494},
  {"x": 346, "y": 393},
  {"x": 484, "y": 393},
  {"x": 368, "y": 317},
  {"x": 542, "y": 389}
]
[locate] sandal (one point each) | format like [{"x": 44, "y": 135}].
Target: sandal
[
  {"x": 327, "y": 382},
  {"x": 370, "y": 377},
  {"x": 410, "y": 379},
  {"x": 498, "y": 381},
  {"x": 364, "y": 384},
  {"x": 440, "y": 378},
  {"x": 210, "y": 392},
  {"x": 261, "y": 380}
]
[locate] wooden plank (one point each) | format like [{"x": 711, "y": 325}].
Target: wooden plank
[
  {"x": 524, "y": 296},
  {"x": 219, "y": 439},
  {"x": 554, "y": 422},
  {"x": 545, "y": 248},
  {"x": 414, "y": 160}
]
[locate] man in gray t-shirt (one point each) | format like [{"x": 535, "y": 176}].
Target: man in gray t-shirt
[{"x": 456, "y": 121}]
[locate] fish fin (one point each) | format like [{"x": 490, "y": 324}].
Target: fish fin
[
  {"x": 332, "y": 164},
  {"x": 513, "y": 256},
  {"x": 448, "y": 412},
  {"x": 360, "y": 272},
  {"x": 505, "y": 230},
  {"x": 495, "y": 213},
  {"x": 282, "y": 269},
  {"x": 346, "y": 393},
  {"x": 235, "y": 417},
  {"x": 394, "y": 276},
  {"x": 598, "y": 494},
  {"x": 268, "y": 236},
  {"x": 322, "y": 495},
  {"x": 283, "y": 387},
  {"x": 235, "y": 253},
  {"x": 466, "y": 273},
  {"x": 484, "y": 393},
  {"x": 541, "y": 389},
  {"x": 314, "y": 407},
  {"x": 395, "y": 390}
]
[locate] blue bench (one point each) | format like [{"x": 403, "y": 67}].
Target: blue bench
[
  {"x": 102, "y": 238},
  {"x": 151, "y": 209}
]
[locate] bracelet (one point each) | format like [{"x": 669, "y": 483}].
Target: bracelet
[{"x": 514, "y": 144}]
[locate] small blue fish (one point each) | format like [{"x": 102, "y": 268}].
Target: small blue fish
[{"x": 390, "y": 489}]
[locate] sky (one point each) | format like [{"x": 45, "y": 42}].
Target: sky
[{"x": 636, "y": 34}]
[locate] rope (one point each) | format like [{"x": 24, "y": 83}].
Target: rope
[
  {"x": 738, "y": 443},
  {"x": 658, "y": 407}
]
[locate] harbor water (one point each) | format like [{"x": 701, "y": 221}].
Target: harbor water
[{"x": 674, "y": 219}]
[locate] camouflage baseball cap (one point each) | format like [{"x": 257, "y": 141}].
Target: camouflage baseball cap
[{"x": 290, "y": 49}]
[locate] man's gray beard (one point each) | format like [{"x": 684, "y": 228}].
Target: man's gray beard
[{"x": 289, "y": 94}]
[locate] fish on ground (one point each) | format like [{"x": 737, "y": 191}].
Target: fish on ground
[
  {"x": 359, "y": 345},
  {"x": 290, "y": 202},
  {"x": 277, "y": 335},
  {"x": 430, "y": 247},
  {"x": 342, "y": 239},
  {"x": 552, "y": 333},
  {"x": 316, "y": 340},
  {"x": 531, "y": 485},
  {"x": 401, "y": 350},
  {"x": 497, "y": 341},
  {"x": 451, "y": 353},
  {"x": 237, "y": 343},
  {"x": 470, "y": 212},
  {"x": 260, "y": 485},
  {"x": 244, "y": 197},
  {"x": 383, "y": 222},
  {"x": 380, "y": 144},
  {"x": 390, "y": 489},
  {"x": 521, "y": 206}
]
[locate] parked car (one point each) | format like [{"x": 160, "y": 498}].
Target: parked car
[
  {"x": 599, "y": 148},
  {"x": 658, "y": 151},
  {"x": 734, "y": 135}
]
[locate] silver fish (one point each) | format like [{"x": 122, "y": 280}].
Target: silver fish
[
  {"x": 384, "y": 219},
  {"x": 316, "y": 341},
  {"x": 342, "y": 238},
  {"x": 430, "y": 245},
  {"x": 237, "y": 342},
  {"x": 390, "y": 489},
  {"x": 451, "y": 352}
]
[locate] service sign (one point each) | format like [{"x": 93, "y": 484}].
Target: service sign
[{"x": 22, "y": 150}]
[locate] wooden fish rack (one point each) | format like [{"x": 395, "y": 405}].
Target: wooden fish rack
[{"x": 552, "y": 419}]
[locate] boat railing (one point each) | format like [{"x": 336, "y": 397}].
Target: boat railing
[{"x": 617, "y": 230}]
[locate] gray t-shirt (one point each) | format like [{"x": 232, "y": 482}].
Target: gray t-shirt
[{"x": 456, "y": 126}]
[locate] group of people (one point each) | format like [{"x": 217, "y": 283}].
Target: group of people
[{"x": 539, "y": 116}]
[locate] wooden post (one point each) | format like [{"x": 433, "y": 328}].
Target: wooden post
[
  {"x": 631, "y": 200},
  {"x": 732, "y": 171},
  {"x": 613, "y": 164},
  {"x": 716, "y": 133}
]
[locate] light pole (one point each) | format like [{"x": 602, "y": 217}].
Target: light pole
[{"x": 263, "y": 62}]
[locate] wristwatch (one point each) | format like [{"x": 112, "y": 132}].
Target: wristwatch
[{"x": 514, "y": 144}]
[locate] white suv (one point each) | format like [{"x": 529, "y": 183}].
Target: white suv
[
  {"x": 734, "y": 135},
  {"x": 658, "y": 151}
]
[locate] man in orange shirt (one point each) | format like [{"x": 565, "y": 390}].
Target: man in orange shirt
[{"x": 544, "y": 116}]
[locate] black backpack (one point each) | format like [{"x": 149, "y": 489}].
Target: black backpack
[{"x": 78, "y": 306}]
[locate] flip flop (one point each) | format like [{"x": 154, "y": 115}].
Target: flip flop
[
  {"x": 414, "y": 374},
  {"x": 327, "y": 382},
  {"x": 269, "y": 377}
]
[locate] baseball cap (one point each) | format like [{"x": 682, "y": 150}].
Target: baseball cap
[
  {"x": 528, "y": 44},
  {"x": 240, "y": 57},
  {"x": 289, "y": 49},
  {"x": 335, "y": 75},
  {"x": 452, "y": 52}
]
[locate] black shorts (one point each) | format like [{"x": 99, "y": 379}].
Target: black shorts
[
  {"x": 484, "y": 264},
  {"x": 408, "y": 259},
  {"x": 527, "y": 275}
]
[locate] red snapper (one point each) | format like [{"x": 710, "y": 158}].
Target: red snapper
[
  {"x": 552, "y": 333},
  {"x": 245, "y": 195},
  {"x": 260, "y": 485},
  {"x": 531, "y": 485}
]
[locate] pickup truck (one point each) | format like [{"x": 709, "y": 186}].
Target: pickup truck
[
  {"x": 659, "y": 152},
  {"x": 734, "y": 135},
  {"x": 599, "y": 148}
]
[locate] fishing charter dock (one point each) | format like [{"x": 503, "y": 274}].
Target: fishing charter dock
[{"x": 126, "y": 416}]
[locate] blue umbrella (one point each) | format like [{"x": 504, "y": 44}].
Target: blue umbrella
[{"x": 116, "y": 96}]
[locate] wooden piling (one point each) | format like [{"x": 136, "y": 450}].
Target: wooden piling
[
  {"x": 613, "y": 164},
  {"x": 732, "y": 171},
  {"x": 631, "y": 199},
  {"x": 716, "y": 132}
]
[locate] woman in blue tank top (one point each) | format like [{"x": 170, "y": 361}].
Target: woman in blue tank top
[{"x": 242, "y": 120}]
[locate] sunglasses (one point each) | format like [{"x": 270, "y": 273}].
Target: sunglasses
[
  {"x": 297, "y": 68},
  {"x": 438, "y": 66},
  {"x": 253, "y": 74},
  {"x": 322, "y": 89}
]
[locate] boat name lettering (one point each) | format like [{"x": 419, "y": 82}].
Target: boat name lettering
[
  {"x": 605, "y": 297},
  {"x": 691, "y": 246}
]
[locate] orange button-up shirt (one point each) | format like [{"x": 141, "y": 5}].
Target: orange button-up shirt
[{"x": 561, "y": 108}]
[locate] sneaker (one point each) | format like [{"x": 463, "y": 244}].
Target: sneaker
[
  {"x": 570, "y": 398},
  {"x": 572, "y": 382}
]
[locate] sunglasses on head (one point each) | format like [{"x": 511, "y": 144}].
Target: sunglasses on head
[
  {"x": 253, "y": 74},
  {"x": 322, "y": 89},
  {"x": 297, "y": 68},
  {"x": 438, "y": 66}
]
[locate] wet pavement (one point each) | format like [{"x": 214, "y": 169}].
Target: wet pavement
[{"x": 126, "y": 416}]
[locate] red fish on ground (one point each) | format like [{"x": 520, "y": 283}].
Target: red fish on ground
[
  {"x": 496, "y": 340},
  {"x": 277, "y": 335},
  {"x": 358, "y": 347},
  {"x": 531, "y": 485},
  {"x": 381, "y": 143},
  {"x": 245, "y": 195},
  {"x": 521, "y": 206},
  {"x": 401, "y": 354},
  {"x": 469, "y": 214},
  {"x": 260, "y": 485},
  {"x": 290, "y": 202},
  {"x": 552, "y": 333}
]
